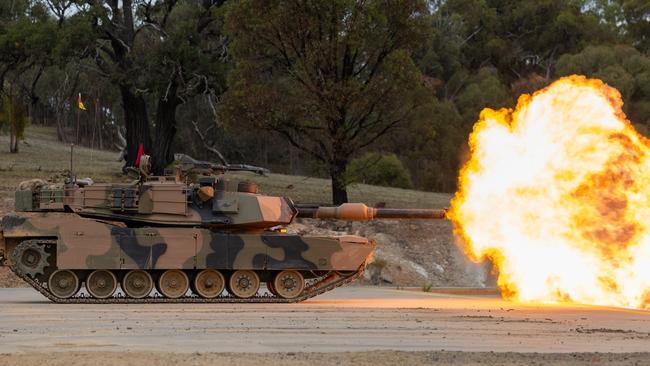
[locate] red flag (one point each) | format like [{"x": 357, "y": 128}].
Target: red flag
[{"x": 140, "y": 153}]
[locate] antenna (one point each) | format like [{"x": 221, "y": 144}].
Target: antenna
[{"x": 72, "y": 176}]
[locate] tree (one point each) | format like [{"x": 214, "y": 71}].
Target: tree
[
  {"x": 622, "y": 67},
  {"x": 519, "y": 37},
  {"x": 26, "y": 40},
  {"x": 637, "y": 23},
  {"x": 431, "y": 147},
  {"x": 163, "y": 51},
  {"x": 330, "y": 76},
  {"x": 485, "y": 53},
  {"x": 14, "y": 117}
]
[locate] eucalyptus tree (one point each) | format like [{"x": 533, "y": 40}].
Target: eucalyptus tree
[
  {"x": 331, "y": 76},
  {"x": 158, "y": 53}
]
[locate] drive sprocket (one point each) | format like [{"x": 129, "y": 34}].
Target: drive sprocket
[{"x": 30, "y": 258}]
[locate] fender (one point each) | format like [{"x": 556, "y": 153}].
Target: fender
[{"x": 34, "y": 224}]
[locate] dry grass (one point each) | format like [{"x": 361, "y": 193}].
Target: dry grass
[
  {"x": 45, "y": 157},
  {"x": 317, "y": 190}
]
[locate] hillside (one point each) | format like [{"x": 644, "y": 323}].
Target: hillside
[
  {"x": 409, "y": 253},
  {"x": 43, "y": 156}
]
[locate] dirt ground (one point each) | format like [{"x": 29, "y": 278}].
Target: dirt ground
[
  {"x": 9, "y": 280},
  {"x": 348, "y": 319},
  {"x": 379, "y": 358},
  {"x": 349, "y": 326}
]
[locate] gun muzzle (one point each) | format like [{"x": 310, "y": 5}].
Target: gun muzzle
[{"x": 361, "y": 212}]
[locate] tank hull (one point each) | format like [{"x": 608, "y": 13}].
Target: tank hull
[
  {"x": 165, "y": 239},
  {"x": 82, "y": 245}
]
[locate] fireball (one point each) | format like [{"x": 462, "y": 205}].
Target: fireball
[{"x": 556, "y": 193}]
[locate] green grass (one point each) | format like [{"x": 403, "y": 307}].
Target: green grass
[{"x": 45, "y": 156}]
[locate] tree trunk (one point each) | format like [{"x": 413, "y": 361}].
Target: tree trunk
[
  {"x": 60, "y": 130},
  {"x": 13, "y": 141},
  {"x": 339, "y": 185},
  {"x": 137, "y": 124},
  {"x": 165, "y": 131},
  {"x": 100, "y": 124},
  {"x": 13, "y": 133}
]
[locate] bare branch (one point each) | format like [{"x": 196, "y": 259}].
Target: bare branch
[
  {"x": 210, "y": 147},
  {"x": 302, "y": 147}
]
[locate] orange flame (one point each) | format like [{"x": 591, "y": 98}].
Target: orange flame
[{"x": 557, "y": 194}]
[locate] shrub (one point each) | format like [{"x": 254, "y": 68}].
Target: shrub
[{"x": 379, "y": 169}]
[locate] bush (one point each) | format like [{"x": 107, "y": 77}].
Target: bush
[{"x": 379, "y": 169}]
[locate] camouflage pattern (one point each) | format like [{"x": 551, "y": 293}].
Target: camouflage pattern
[
  {"x": 84, "y": 243},
  {"x": 164, "y": 202},
  {"x": 214, "y": 204},
  {"x": 159, "y": 229}
]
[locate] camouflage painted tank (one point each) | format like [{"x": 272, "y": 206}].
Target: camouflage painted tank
[{"x": 213, "y": 241}]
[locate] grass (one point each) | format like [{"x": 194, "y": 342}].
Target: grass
[{"x": 44, "y": 156}]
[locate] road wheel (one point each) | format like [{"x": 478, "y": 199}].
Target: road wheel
[
  {"x": 137, "y": 284},
  {"x": 269, "y": 286},
  {"x": 101, "y": 284},
  {"x": 209, "y": 283},
  {"x": 63, "y": 283},
  {"x": 288, "y": 284},
  {"x": 345, "y": 273},
  {"x": 243, "y": 284},
  {"x": 173, "y": 283}
]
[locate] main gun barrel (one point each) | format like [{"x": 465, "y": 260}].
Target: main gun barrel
[{"x": 361, "y": 212}]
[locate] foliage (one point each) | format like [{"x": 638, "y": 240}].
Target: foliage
[
  {"x": 330, "y": 76},
  {"x": 630, "y": 18},
  {"x": 484, "y": 88},
  {"x": 378, "y": 169},
  {"x": 621, "y": 66},
  {"x": 159, "y": 54},
  {"x": 516, "y": 37},
  {"x": 13, "y": 117},
  {"x": 432, "y": 149}
]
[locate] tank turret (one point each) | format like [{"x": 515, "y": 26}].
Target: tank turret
[{"x": 164, "y": 240}]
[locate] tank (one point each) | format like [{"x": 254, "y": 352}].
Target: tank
[{"x": 160, "y": 239}]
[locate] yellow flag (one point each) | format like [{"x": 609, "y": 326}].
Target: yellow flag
[{"x": 80, "y": 103}]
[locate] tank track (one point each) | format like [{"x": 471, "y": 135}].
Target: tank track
[{"x": 317, "y": 287}]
